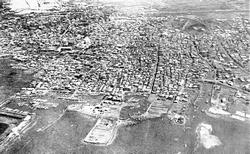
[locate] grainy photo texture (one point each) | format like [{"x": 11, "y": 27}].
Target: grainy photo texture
[{"x": 124, "y": 77}]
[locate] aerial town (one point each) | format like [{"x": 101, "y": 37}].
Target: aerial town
[{"x": 120, "y": 71}]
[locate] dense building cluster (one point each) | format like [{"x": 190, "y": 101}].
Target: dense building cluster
[
  {"x": 86, "y": 51},
  {"x": 166, "y": 60}
]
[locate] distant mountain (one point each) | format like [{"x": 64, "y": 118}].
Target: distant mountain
[{"x": 33, "y": 5}]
